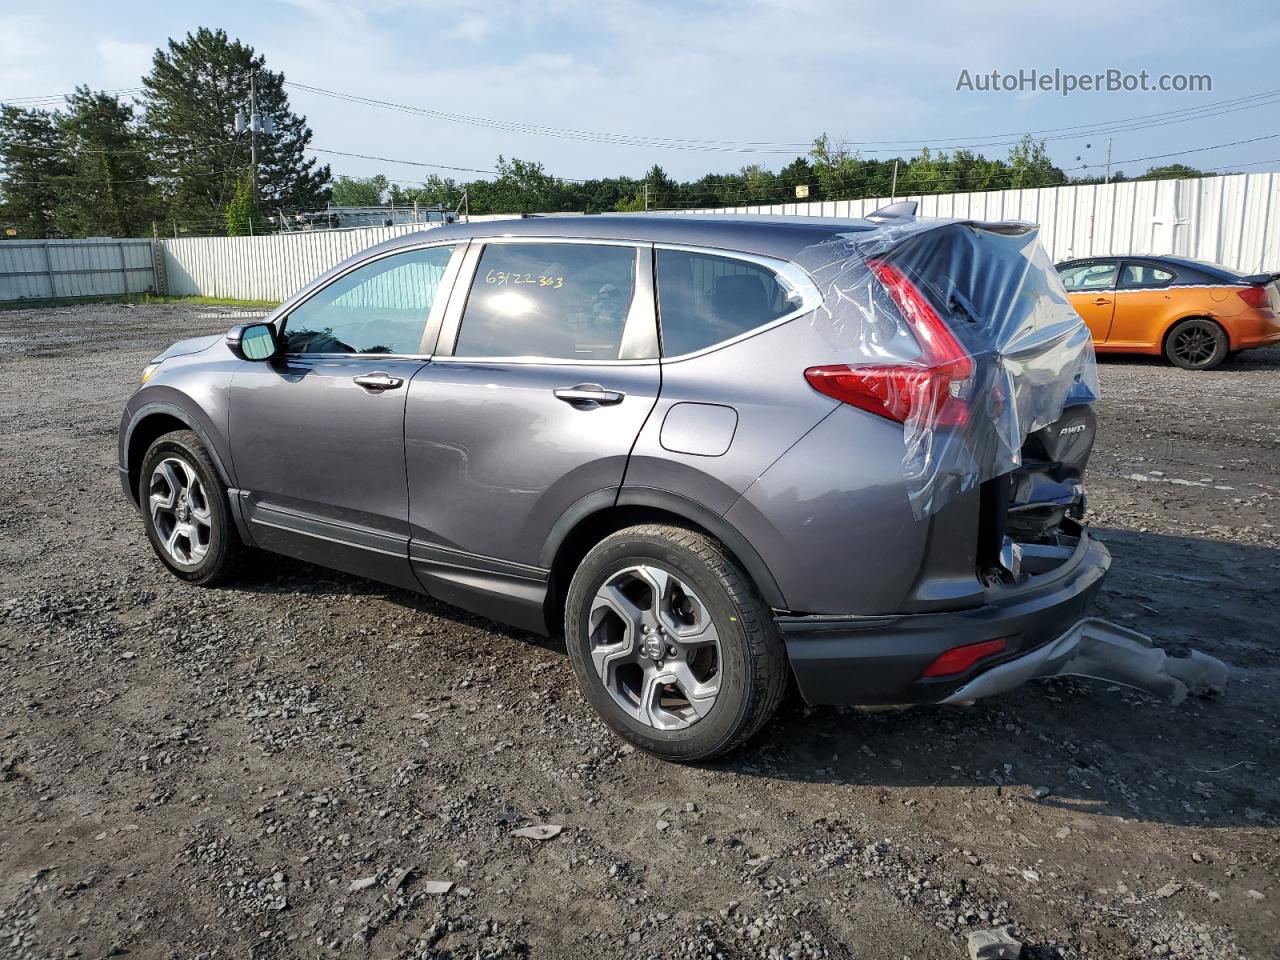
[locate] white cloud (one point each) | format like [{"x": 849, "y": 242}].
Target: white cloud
[
  {"x": 123, "y": 63},
  {"x": 758, "y": 70},
  {"x": 472, "y": 29},
  {"x": 26, "y": 51}
]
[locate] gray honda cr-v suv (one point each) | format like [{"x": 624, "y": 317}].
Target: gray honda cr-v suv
[{"x": 714, "y": 452}]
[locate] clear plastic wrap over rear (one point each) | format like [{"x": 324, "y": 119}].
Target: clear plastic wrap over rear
[{"x": 959, "y": 330}]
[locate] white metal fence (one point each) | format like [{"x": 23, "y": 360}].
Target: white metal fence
[
  {"x": 270, "y": 267},
  {"x": 1232, "y": 220},
  {"x": 264, "y": 268},
  {"x": 50, "y": 269}
]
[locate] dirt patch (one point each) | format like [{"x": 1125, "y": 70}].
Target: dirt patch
[{"x": 251, "y": 771}]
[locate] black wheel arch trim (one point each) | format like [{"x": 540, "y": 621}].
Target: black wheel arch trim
[
  {"x": 680, "y": 506},
  {"x": 178, "y": 413}
]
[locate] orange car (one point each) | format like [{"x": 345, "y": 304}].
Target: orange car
[{"x": 1192, "y": 312}]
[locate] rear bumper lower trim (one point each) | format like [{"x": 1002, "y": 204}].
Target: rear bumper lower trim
[{"x": 879, "y": 660}]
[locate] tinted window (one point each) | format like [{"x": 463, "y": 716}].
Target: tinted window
[
  {"x": 562, "y": 301},
  {"x": 705, "y": 299},
  {"x": 1144, "y": 275},
  {"x": 381, "y": 307},
  {"x": 1089, "y": 276}
]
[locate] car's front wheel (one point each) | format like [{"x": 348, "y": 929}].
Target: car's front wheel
[
  {"x": 671, "y": 642},
  {"x": 186, "y": 511}
]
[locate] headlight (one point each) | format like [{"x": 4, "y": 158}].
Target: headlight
[{"x": 148, "y": 370}]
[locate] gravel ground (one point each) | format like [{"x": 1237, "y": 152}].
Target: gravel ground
[{"x": 308, "y": 765}]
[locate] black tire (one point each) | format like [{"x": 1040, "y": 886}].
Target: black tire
[
  {"x": 1196, "y": 344},
  {"x": 752, "y": 668},
  {"x": 222, "y": 550}
]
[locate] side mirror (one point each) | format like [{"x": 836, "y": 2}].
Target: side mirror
[{"x": 253, "y": 341}]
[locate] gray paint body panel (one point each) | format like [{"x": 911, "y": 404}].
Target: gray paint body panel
[
  {"x": 832, "y": 521},
  {"x": 701, "y": 429},
  {"x": 306, "y": 437},
  {"x": 762, "y": 379},
  {"x": 495, "y": 458}
]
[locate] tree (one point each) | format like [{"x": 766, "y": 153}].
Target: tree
[
  {"x": 799, "y": 172},
  {"x": 360, "y": 191},
  {"x": 836, "y": 168},
  {"x": 240, "y": 209},
  {"x": 108, "y": 188},
  {"x": 34, "y": 160},
  {"x": 192, "y": 95},
  {"x": 522, "y": 186},
  {"x": 1030, "y": 165},
  {"x": 1173, "y": 171},
  {"x": 435, "y": 191},
  {"x": 924, "y": 173},
  {"x": 662, "y": 189}
]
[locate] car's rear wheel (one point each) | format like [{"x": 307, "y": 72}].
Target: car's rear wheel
[
  {"x": 186, "y": 511},
  {"x": 1196, "y": 344},
  {"x": 671, "y": 642}
]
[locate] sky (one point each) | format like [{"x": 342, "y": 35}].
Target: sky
[{"x": 752, "y": 76}]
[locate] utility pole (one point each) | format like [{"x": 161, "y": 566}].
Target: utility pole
[
  {"x": 893, "y": 190},
  {"x": 646, "y": 196},
  {"x": 257, "y": 123},
  {"x": 1107, "y": 178},
  {"x": 253, "y": 142}
]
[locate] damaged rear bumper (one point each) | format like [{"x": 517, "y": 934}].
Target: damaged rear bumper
[
  {"x": 1104, "y": 651},
  {"x": 879, "y": 660}
]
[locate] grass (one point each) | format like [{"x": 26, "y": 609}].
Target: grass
[{"x": 144, "y": 298}]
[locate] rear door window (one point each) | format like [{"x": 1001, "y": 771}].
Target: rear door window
[
  {"x": 1089, "y": 276},
  {"x": 1139, "y": 275},
  {"x": 705, "y": 299},
  {"x": 555, "y": 301}
]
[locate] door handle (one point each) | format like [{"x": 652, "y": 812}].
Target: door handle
[
  {"x": 378, "y": 381},
  {"x": 589, "y": 393},
  {"x": 1102, "y": 301}
]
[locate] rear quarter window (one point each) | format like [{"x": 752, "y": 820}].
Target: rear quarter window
[
  {"x": 1137, "y": 275},
  {"x": 705, "y": 299}
]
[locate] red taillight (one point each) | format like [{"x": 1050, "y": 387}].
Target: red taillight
[
  {"x": 934, "y": 388},
  {"x": 959, "y": 659},
  {"x": 1255, "y": 297}
]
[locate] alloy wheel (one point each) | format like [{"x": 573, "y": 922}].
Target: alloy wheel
[
  {"x": 655, "y": 647},
  {"x": 180, "y": 511},
  {"x": 1195, "y": 346}
]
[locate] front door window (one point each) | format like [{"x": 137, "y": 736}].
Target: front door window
[{"x": 379, "y": 308}]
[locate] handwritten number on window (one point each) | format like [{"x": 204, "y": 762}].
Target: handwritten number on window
[{"x": 501, "y": 278}]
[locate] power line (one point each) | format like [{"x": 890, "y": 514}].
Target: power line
[
  {"x": 1164, "y": 118},
  {"x": 420, "y": 163},
  {"x": 57, "y": 97},
  {"x": 518, "y": 127},
  {"x": 1216, "y": 146},
  {"x": 1094, "y": 127},
  {"x": 1138, "y": 122}
]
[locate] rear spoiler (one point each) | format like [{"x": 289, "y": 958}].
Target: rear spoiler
[{"x": 1258, "y": 279}]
